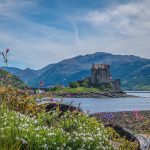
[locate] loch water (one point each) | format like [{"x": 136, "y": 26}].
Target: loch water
[{"x": 95, "y": 105}]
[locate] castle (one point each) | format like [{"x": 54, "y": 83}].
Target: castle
[
  {"x": 100, "y": 73},
  {"x": 101, "y": 76}
]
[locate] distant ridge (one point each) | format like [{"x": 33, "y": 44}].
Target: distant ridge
[{"x": 134, "y": 71}]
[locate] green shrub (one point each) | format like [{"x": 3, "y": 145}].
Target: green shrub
[
  {"x": 71, "y": 131},
  {"x": 56, "y": 88},
  {"x": 84, "y": 84},
  {"x": 74, "y": 84}
]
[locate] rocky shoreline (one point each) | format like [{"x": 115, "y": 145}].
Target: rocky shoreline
[
  {"x": 137, "y": 123},
  {"x": 107, "y": 94}
]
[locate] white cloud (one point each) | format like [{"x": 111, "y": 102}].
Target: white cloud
[
  {"x": 132, "y": 18},
  {"x": 33, "y": 44},
  {"x": 121, "y": 29},
  {"x": 13, "y": 8}
]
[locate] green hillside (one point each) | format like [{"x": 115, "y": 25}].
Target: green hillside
[{"x": 9, "y": 79}]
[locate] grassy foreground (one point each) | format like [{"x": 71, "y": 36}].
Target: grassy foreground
[{"x": 26, "y": 126}]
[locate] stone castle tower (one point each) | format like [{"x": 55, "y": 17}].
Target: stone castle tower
[{"x": 100, "y": 73}]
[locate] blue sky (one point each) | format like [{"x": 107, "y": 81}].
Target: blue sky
[{"x": 40, "y": 32}]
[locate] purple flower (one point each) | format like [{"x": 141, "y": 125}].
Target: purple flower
[
  {"x": 108, "y": 116},
  {"x": 7, "y": 50}
]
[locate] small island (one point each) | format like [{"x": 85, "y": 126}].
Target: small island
[{"x": 99, "y": 85}]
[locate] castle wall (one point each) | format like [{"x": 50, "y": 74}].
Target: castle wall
[{"x": 100, "y": 73}]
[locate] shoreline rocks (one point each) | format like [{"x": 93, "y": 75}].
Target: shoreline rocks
[
  {"x": 93, "y": 95},
  {"x": 135, "y": 122}
]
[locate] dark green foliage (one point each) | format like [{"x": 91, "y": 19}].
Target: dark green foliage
[
  {"x": 55, "y": 88},
  {"x": 74, "y": 85},
  {"x": 84, "y": 84}
]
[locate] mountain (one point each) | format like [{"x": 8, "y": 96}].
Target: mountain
[
  {"x": 134, "y": 71},
  {"x": 8, "y": 79},
  {"x": 27, "y": 74},
  {"x": 11, "y": 70}
]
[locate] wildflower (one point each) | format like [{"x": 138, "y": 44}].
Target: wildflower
[
  {"x": 35, "y": 121},
  {"x": 37, "y": 135},
  {"x": 23, "y": 141},
  {"x": 45, "y": 146}
]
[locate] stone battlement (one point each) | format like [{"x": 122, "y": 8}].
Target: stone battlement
[{"x": 100, "y": 66}]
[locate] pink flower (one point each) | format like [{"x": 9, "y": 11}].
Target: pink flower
[
  {"x": 7, "y": 50},
  {"x": 41, "y": 83},
  {"x": 136, "y": 114}
]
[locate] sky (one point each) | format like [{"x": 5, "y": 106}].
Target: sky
[{"x": 41, "y": 32}]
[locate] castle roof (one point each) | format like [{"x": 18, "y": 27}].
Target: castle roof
[{"x": 100, "y": 66}]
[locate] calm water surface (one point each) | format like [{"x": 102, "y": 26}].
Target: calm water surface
[
  {"x": 141, "y": 94},
  {"x": 95, "y": 105}
]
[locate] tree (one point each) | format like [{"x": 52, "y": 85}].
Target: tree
[
  {"x": 74, "y": 84},
  {"x": 85, "y": 84}
]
